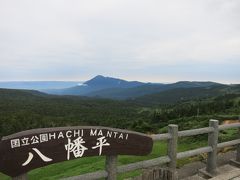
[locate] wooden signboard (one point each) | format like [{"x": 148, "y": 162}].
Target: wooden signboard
[{"x": 27, "y": 150}]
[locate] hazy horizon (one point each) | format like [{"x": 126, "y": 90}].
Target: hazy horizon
[
  {"x": 82, "y": 81},
  {"x": 147, "y": 41}
]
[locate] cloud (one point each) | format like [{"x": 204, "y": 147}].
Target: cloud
[{"x": 60, "y": 39}]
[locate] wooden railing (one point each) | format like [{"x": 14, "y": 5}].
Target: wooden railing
[{"x": 111, "y": 168}]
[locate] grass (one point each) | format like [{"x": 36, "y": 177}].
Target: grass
[{"x": 91, "y": 164}]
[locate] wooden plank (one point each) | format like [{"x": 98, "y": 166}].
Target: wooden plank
[
  {"x": 228, "y": 143},
  {"x": 158, "y": 137},
  {"x": 193, "y": 132},
  {"x": 24, "y": 151},
  {"x": 143, "y": 164},
  {"x": 228, "y": 126},
  {"x": 194, "y": 152}
]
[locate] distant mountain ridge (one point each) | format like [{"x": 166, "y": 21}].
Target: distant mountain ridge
[
  {"x": 146, "y": 94},
  {"x": 114, "y": 88},
  {"x": 38, "y": 85},
  {"x": 119, "y": 89},
  {"x": 95, "y": 84},
  {"x": 147, "y": 89}
]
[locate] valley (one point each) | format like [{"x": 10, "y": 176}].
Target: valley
[{"x": 146, "y": 108}]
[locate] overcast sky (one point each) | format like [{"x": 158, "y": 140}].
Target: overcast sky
[{"x": 146, "y": 40}]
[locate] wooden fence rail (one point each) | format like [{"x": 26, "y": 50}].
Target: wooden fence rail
[{"x": 111, "y": 168}]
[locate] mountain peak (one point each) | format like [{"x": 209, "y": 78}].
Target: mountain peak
[
  {"x": 99, "y": 77},
  {"x": 100, "y": 80},
  {"x": 110, "y": 82}
]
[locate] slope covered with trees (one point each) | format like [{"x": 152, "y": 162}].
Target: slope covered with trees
[{"x": 23, "y": 109}]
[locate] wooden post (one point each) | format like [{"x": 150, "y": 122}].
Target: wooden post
[
  {"x": 212, "y": 141},
  {"x": 238, "y": 146},
  {"x": 156, "y": 174},
  {"x": 172, "y": 149},
  {"x": 236, "y": 162},
  {"x": 111, "y": 167},
  {"x": 20, "y": 177}
]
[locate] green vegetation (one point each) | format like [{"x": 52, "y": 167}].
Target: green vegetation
[
  {"x": 184, "y": 93},
  {"x": 196, "y": 113},
  {"x": 22, "y": 110}
]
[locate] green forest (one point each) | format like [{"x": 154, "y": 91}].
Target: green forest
[{"x": 24, "y": 109}]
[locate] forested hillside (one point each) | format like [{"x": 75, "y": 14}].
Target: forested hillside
[
  {"x": 176, "y": 95},
  {"x": 23, "y": 109}
]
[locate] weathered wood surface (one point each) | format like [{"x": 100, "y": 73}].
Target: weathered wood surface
[
  {"x": 212, "y": 142},
  {"x": 21, "y": 177},
  {"x": 172, "y": 149},
  {"x": 194, "y": 152},
  {"x": 238, "y": 146},
  {"x": 228, "y": 143},
  {"x": 24, "y": 151},
  {"x": 155, "y": 173},
  {"x": 228, "y": 126},
  {"x": 111, "y": 167},
  {"x": 193, "y": 132}
]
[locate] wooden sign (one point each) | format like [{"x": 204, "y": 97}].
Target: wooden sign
[{"x": 27, "y": 150}]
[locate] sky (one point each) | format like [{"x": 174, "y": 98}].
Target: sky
[{"x": 145, "y": 40}]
